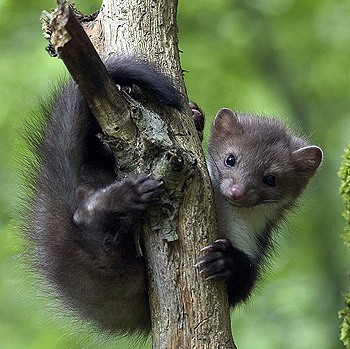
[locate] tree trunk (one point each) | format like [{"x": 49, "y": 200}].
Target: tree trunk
[{"x": 187, "y": 310}]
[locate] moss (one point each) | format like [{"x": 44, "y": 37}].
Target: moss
[
  {"x": 345, "y": 327},
  {"x": 344, "y": 173}
]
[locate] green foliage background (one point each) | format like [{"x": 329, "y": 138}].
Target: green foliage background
[{"x": 289, "y": 58}]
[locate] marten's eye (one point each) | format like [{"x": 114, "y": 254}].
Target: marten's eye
[
  {"x": 270, "y": 180},
  {"x": 230, "y": 160}
]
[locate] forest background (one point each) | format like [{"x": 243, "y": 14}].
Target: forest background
[{"x": 289, "y": 59}]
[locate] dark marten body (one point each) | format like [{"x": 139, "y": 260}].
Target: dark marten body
[{"x": 84, "y": 218}]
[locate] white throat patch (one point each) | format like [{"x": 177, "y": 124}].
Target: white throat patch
[{"x": 244, "y": 225}]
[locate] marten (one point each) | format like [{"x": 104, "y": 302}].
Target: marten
[{"x": 84, "y": 218}]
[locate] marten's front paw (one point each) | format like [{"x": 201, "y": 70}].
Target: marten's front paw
[
  {"x": 141, "y": 191},
  {"x": 129, "y": 196},
  {"x": 198, "y": 118},
  {"x": 219, "y": 260}
]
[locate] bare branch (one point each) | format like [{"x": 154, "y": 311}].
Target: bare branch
[{"x": 87, "y": 69}]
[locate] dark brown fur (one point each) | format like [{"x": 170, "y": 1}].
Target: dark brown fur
[{"x": 83, "y": 220}]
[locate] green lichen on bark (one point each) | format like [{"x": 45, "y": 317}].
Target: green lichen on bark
[{"x": 344, "y": 173}]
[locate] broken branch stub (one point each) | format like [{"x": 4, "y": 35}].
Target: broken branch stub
[{"x": 106, "y": 102}]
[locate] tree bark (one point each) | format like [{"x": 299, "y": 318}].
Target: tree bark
[{"x": 187, "y": 310}]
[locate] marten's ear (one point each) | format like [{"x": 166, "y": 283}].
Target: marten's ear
[
  {"x": 308, "y": 158},
  {"x": 226, "y": 121}
]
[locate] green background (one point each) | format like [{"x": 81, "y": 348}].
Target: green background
[{"x": 289, "y": 58}]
